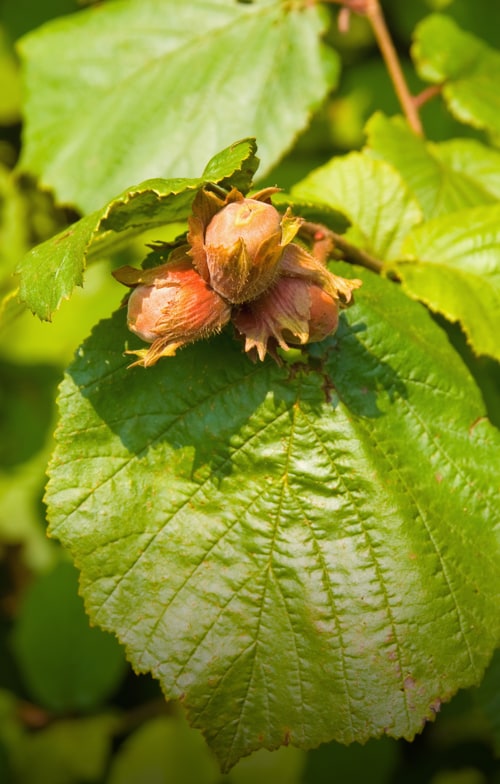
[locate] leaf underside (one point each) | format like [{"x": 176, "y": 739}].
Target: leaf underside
[{"x": 297, "y": 555}]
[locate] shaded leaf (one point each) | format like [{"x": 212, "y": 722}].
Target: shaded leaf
[
  {"x": 21, "y": 525},
  {"x": 285, "y": 765},
  {"x": 27, "y": 396},
  {"x": 50, "y": 271},
  {"x": 487, "y": 697},
  {"x": 443, "y": 177},
  {"x": 298, "y": 555},
  {"x": 164, "y": 749},
  {"x": 131, "y": 90},
  {"x": 371, "y": 194},
  {"x": 467, "y": 68},
  {"x": 66, "y": 752},
  {"x": 351, "y": 763},
  {"x": 65, "y": 664},
  {"x": 456, "y": 272}
]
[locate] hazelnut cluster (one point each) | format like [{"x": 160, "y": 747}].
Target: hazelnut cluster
[{"x": 239, "y": 264}]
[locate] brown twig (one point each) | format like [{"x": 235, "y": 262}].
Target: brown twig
[
  {"x": 373, "y": 12},
  {"x": 326, "y": 243},
  {"x": 427, "y": 95}
]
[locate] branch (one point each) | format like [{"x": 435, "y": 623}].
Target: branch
[
  {"x": 325, "y": 242},
  {"x": 373, "y": 12},
  {"x": 427, "y": 94}
]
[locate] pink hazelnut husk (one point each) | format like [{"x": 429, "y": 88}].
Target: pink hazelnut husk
[
  {"x": 292, "y": 312},
  {"x": 169, "y": 307},
  {"x": 237, "y": 244}
]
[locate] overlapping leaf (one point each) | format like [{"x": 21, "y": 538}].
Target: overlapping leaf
[
  {"x": 451, "y": 263},
  {"x": 298, "y": 555},
  {"x": 50, "y": 271},
  {"x": 371, "y": 194},
  {"x": 454, "y": 267},
  {"x": 467, "y": 68},
  {"x": 443, "y": 177},
  {"x": 146, "y": 88}
]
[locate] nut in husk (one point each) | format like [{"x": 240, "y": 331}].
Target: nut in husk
[
  {"x": 170, "y": 306},
  {"x": 237, "y": 244}
]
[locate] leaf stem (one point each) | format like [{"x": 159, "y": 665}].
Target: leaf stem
[
  {"x": 373, "y": 12},
  {"x": 427, "y": 94},
  {"x": 326, "y": 243}
]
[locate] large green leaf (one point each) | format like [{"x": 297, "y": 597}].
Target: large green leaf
[
  {"x": 371, "y": 194},
  {"x": 298, "y": 554},
  {"x": 50, "y": 271},
  {"x": 456, "y": 272},
  {"x": 443, "y": 177},
  {"x": 153, "y": 88},
  {"x": 467, "y": 68}
]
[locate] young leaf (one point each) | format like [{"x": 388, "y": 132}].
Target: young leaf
[
  {"x": 298, "y": 555},
  {"x": 467, "y": 68},
  {"x": 456, "y": 272},
  {"x": 50, "y": 271},
  {"x": 371, "y": 194},
  {"x": 140, "y": 88},
  {"x": 443, "y": 177}
]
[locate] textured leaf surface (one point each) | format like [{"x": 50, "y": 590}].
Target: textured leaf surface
[
  {"x": 146, "y": 88},
  {"x": 468, "y": 68},
  {"x": 297, "y": 555},
  {"x": 371, "y": 194},
  {"x": 443, "y": 177},
  {"x": 457, "y": 272},
  {"x": 50, "y": 271}
]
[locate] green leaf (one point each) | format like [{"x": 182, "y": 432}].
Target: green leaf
[
  {"x": 21, "y": 525},
  {"x": 10, "y": 94},
  {"x": 164, "y": 749},
  {"x": 143, "y": 88},
  {"x": 65, "y": 664},
  {"x": 371, "y": 194},
  {"x": 298, "y": 555},
  {"x": 487, "y": 697},
  {"x": 67, "y": 751},
  {"x": 442, "y": 177},
  {"x": 456, "y": 272},
  {"x": 467, "y": 68},
  {"x": 13, "y": 231},
  {"x": 50, "y": 271}
]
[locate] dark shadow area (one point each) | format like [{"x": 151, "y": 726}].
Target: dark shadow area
[
  {"x": 26, "y": 409},
  {"x": 205, "y": 396}
]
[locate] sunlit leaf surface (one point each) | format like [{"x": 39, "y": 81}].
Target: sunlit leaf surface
[{"x": 299, "y": 554}]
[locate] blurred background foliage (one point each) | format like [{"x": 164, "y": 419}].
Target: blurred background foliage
[{"x": 71, "y": 710}]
